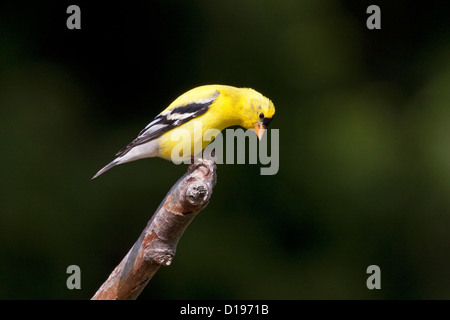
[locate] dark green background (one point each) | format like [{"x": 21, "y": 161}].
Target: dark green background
[{"x": 364, "y": 120}]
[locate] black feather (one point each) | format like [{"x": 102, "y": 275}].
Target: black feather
[{"x": 168, "y": 122}]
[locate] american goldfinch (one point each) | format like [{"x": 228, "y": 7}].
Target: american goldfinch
[{"x": 215, "y": 106}]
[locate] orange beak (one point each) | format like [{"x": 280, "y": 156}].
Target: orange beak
[{"x": 259, "y": 129}]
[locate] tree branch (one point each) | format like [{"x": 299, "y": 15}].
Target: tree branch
[{"x": 157, "y": 244}]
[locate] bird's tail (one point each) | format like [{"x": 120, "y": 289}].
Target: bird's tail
[{"x": 107, "y": 167}]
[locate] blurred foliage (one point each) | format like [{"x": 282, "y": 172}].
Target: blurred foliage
[{"x": 364, "y": 171}]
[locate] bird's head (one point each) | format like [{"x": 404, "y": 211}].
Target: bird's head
[{"x": 259, "y": 111}]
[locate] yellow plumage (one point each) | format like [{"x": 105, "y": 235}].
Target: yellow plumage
[{"x": 192, "y": 114}]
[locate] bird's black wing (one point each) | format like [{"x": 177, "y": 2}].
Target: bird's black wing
[{"x": 168, "y": 120}]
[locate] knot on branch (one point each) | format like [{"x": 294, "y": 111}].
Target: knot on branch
[
  {"x": 197, "y": 193},
  {"x": 160, "y": 253},
  {"x": 202, "y": 178}
]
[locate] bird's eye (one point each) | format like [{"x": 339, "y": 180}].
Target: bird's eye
[{"x": 261, "y": 115}]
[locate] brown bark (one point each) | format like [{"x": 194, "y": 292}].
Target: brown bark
[{"x": 157, "y": 244}]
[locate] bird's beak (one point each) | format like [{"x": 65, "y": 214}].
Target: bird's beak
[{"x": 260, "y": 129}]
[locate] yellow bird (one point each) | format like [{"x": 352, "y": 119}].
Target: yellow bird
[{"x": 213, "y": 106}]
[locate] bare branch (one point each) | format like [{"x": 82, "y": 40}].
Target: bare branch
[{"x": 157, "y": 244}]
